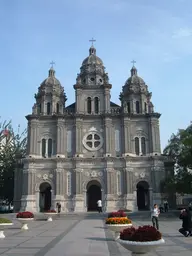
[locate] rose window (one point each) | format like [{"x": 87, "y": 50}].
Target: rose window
[{"x": 92, "y": 142}]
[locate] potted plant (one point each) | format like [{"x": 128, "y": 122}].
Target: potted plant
[
  {"x": 140, "y": 240},
  {"x": 119, "y": 214},
  {"x": 24, "y": 218},
  {"x": 3, "y": 223},
  {"x": 50, "y": 214},
  {"x": 117, "y": 224}
]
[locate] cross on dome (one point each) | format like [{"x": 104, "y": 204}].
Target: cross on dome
[{"x": 92, "y": 40}]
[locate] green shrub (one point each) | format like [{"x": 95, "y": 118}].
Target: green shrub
[{"x": 4, "y": 220}]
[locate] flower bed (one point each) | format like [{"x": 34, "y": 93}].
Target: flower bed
[
  {"x": 5, "y": 221},
  {"x": 25, "y": 215},
  {"x": 118, "y": 220},
  {"x": 119, "y": 214},
  {"x": 141, "y": 234}
]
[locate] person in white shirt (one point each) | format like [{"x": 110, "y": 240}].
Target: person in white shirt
[
  {"x": 155, "y": 216},
  {"x": 99, "y": 205}
]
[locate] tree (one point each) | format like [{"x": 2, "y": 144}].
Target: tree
[
  {"x": 12, "y": 147},
  {"x": 179, "y": 148}
]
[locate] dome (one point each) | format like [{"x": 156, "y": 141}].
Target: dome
[
  {"x": 50, "y": 85},
  {"x": 51, "y": 80},
  {"x": 134, "y": 78},
  {"x": 92, "y": 58}
]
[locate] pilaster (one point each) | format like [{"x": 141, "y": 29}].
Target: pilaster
[
  {"x": 155, "y": 136},
  {"x": 78, "y": 136},
  {"x": 126, "y": 139},
  {"x": 61, "y": 138},
  {"x": 108, "y": 136}
]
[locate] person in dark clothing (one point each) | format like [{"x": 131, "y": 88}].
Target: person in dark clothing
[
  {"x": 58, "y": 208},
  {"x": 186, "y": 229}
]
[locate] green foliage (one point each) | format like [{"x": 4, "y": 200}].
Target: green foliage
[
  {"x": 4, "y": 220},
  {"x": 180, "y": 149},
  {"x": 12, "y": 148}
]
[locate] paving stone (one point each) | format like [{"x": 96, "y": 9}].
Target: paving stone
[{"x": 84, "y": 235}]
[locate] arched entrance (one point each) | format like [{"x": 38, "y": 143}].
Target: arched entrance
[
  {"x": 143, "y": 199},
  {"x": 44, "y": 196},
  {"x": 93, "y": 195}
]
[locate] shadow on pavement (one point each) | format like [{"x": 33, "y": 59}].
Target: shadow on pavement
[{"x": 101, "y": 239}]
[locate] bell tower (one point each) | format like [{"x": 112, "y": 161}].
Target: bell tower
[{"x": 92, "y": 88}]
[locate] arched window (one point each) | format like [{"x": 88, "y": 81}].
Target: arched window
[
  {"x": 137, "y": 146},
  {"x": 48, "y": 108},
  {"x": 143, "y": 146},
  {"x": 50, "y": 146},
  {"x": 137, "y": 107},
  {"x": 96, "y": 103},
  {"x": 57, "y": 108},
  {"x": 43, "y": 147},
  {"x": 89, "y": 105},
  {"x": 128, "y": 107}
]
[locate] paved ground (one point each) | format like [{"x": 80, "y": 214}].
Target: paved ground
[{"x": 81, "y": 235}]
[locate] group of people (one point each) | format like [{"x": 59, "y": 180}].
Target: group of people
[{"x": 185, "y": 216}]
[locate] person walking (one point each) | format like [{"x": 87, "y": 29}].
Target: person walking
[
  {"x": 99, "y": 206},
  {"x": 155, "y": 216},
  {"x": 166, "y": 205},
  {"x": 186, "y": 229}
]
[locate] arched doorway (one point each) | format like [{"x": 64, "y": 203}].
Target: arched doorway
[
  {"x": 93, "y": 195},
  {"x": 143, "y": 199},
  {"x": 44, "y": 196}
]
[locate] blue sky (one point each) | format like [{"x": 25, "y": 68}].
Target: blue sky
[{"x": 157, "y": 34}]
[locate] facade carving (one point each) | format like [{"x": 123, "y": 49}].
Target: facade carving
[{"x": 92, "y": 149}]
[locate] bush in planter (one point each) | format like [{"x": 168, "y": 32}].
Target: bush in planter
[
  {"x": 141, "y": 234},
  {"x": 51, "y": 211},
  {"x": 25, "y": 215},
  {"x": 4, "y": 220},
  {"x": 120, "y": 213},
  {"x": 118, "y": 220}
]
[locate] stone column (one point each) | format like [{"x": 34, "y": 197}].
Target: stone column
[
  {"x": 126, "y": 138},
  {"x": 129, "y": 196},
  {"x": 108, "y": 136},
  {"x": 107, "y": 100},
  {"x": 61, "y": 141},
  {"x": 28, "y": 202},
  {"x": 155, "y": 136},
  {"x": 78, "y": 198},
  {"x": 78, "y": 136},
  {"x": 58, "y": 196}
]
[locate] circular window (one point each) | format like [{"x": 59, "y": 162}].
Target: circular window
[
  {"x": 92, "y": 79},
  {"x": 92, "y": 141}
]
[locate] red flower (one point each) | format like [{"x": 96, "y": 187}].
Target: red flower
[
  {"x": 25, "y": 215},
  {"x": 142, "y": 234}
]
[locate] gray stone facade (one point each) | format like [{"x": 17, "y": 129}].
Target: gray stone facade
[{"x": 91, "y": 145}]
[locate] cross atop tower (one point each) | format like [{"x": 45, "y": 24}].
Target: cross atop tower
[
  {"x": 52, "y": 63},
  {"x": 133, "y": 61},
  {"x": 92, "y": 40}
]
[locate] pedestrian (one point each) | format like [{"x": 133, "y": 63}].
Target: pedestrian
[
  {"x": 155, "y": 216},
  {"x": 58, "y": 208},
  {"x": 166, "y": 205},
  {"x": 99, "y": 206},
  {"x": 186, "y": 229}
]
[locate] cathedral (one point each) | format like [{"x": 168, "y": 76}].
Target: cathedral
[{"x": 92, "y": 149}]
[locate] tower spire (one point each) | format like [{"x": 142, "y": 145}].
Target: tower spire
[
  {"x": 92, "y": 50},
  {"x": 51, "y": 70},
  {"x": 133, "y": 69}
]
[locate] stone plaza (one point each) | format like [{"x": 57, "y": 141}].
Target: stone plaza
[{"x": 84, "y": 235}]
